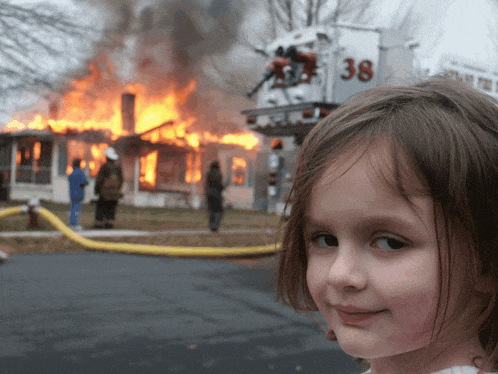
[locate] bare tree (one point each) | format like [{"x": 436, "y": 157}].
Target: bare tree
[
  {"x": 37, "y": 43},
  {"x": 288, "y": 15},
  {"x": 406, "y": 21}
]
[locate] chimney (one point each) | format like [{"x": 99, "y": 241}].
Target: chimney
[
  {"x": 128, "y": 112},
  {"x": 53, "y": 111}
]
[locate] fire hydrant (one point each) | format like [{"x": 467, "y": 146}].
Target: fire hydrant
[{"x": 33, "y": 208}]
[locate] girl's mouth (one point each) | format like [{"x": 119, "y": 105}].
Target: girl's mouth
[{"x": 355, "y": 316}]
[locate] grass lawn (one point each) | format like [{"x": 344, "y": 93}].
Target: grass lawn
[{"x": 148, "y": 219}]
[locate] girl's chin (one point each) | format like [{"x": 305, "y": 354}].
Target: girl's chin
[
  {"x": 356, "y": 350},
  {"x": 363, "y": 344},
  {"x": 372, "y": 349}
]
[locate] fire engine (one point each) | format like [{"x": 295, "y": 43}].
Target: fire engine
[{"x": 312, "y": 71}]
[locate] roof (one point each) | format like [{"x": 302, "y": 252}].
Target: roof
[{"x": 28, "y": 132}]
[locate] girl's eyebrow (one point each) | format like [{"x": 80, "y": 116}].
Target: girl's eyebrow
[
  {"x": 310, "y": 224},
  {"x": 374, "y": 222}
]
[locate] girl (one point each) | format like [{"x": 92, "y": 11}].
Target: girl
[{"x": 393, "y": 232}]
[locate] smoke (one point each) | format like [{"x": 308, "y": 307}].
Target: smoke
[{"x": 166, "y": 43}]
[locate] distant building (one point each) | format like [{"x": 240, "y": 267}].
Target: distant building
[{"x": 470, "y": 72}]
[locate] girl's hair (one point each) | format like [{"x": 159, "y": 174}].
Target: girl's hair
[{"x": 444, "y": 133}]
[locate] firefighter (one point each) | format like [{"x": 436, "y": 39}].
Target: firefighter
[
  {"x": 277, "y": 66},
  {"x": 108, "y": 188},
  {"x": 308, "y": 59},
  {"x": 214, "y": 198}
]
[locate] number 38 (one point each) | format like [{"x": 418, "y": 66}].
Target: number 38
[{"x": 365, "y": 70}]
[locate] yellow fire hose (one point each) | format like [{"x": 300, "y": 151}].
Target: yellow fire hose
[{"x": 143, "y": 249}]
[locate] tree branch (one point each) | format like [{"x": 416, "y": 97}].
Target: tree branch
[{"x": 35, "y": 42}]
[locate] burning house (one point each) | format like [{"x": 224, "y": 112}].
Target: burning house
[
  {"x": 163, "y": 159},
  {"x": 142, "y": 96}
]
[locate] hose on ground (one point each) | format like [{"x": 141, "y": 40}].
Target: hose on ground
[{"x": 144, "y": 249}]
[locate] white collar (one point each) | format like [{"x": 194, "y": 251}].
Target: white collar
[
  {"x": 453, "y": 370},
  {"x": 459, "y": 370}
]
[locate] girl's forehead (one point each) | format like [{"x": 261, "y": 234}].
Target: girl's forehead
[{"x": 386, "y": 166}]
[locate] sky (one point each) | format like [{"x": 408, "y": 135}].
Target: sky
[
  {"x": 458, "y": 27},
  {"x": 462, "y": 28}
]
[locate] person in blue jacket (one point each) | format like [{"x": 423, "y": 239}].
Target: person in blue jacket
[{"x": 77, "y": 183}]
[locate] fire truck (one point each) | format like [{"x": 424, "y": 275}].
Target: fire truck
[{"x": 310, "y": 72}]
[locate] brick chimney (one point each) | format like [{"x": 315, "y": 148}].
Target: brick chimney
[
  {"x": 128, "y": 112},
  {"x": 53, "y": 111}
]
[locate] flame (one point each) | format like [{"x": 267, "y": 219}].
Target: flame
[
  {"x": 148, "y": 166},
  {"x": 36, "y": 150},
  {"x": 93, "y": 102},
  {"x": 248, "y": 141},
  {"x": 239, "y": 166},
  {"x": 82, "y": 150},
  {"x": 193, "y": 166},
  {"x": 36, "y": 156}
]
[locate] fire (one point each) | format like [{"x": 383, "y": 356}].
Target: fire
[
  {"x": 239, "y": 166},
  {"x": 193, "y": 164},
  {"x": 37, "y": 150},
  {"x": 148, "y": 169},
  {"x": 248, "y": 141},
  {"x": 36, "y": 155},
  {"x": 94, "y": 101},
  {"x": 83, "y": 151}
]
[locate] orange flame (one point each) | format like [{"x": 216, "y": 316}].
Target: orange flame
[
  {"x": 79, "y": 149},
  {"x": 36, "y": 150},
  {"x": 148, "y": 169},
  {"x": 239, "y": 166},
  {"x": 36, "y": 155},
  {"x": 94, "y": 102},
  {"x": 193, "y": 164}
]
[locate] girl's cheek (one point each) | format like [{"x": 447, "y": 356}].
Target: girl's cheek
[{"x": 316, "y": 285}]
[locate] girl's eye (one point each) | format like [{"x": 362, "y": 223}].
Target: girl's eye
[
  {"x": 390, "y": 244},
  {"x": 325, "y": 240}
]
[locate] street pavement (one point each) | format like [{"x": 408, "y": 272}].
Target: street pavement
[{"x": 114, "y": 313}]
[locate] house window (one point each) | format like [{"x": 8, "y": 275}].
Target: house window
[
  {"x": 148, "y": 171},
  {"x": 239, "y": 167},
  {"x": 33, "y": 161},
  {"x": 91, "y": 155},
  {"x": 171, "y": 169},
  {"x": 193, "y": 168},
  {"x": 164, "y": 171}
]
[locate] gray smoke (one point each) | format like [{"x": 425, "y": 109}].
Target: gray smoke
[{"x": 162, "y": 43}]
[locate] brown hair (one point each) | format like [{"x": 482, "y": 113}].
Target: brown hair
[{"x": 447, "y": 133}]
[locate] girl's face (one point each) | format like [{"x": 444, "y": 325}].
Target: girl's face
[{"x": 372, "y": 260}]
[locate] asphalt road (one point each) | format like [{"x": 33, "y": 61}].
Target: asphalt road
[{"x": 113, "y": 313}]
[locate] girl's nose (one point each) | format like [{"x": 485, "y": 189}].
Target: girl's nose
[{"x": 348, "y": 270}]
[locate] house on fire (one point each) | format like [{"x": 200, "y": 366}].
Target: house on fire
[{"x": 157, "y": 172}]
